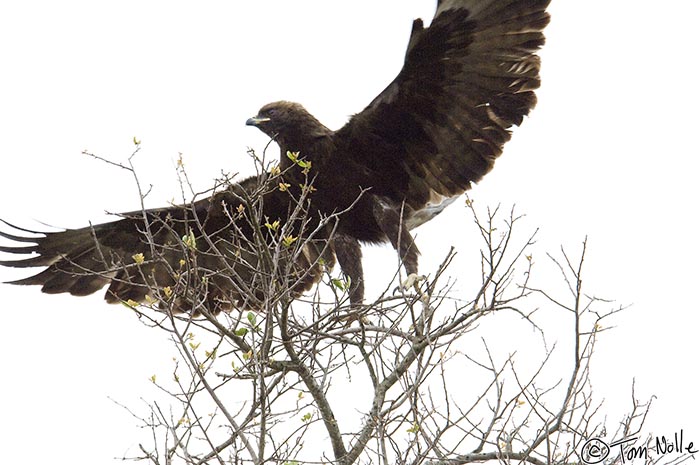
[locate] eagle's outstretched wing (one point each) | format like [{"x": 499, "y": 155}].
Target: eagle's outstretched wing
[
  {"x": 163, "y": 255},
  {"x": 439, "y": 126}
]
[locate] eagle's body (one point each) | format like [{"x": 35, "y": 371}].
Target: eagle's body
[{"x": 435, "y": 130}]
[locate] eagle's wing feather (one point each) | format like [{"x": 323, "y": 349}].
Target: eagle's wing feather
[
  {"x": 138, "y": 255},
  {"x": 82, "y": 261},
  {"x": 442, "y": 122}
]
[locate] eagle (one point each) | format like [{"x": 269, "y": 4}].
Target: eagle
[{"x": 435, "y": 130}]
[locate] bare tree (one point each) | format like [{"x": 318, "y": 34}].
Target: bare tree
[{"x": 408, "y": 378}]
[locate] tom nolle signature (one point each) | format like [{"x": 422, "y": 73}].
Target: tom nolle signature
[{"x": 595, "y": 450}]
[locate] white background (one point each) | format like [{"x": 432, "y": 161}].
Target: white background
[{"x": 609, "y": 153}]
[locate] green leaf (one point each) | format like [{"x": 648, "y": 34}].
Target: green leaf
[
  {"x": 190, "y": 241},
  {"x": 251, "y": 318},
  {"x": 287, "y": 241},
  {"x": 343, "y": 285},
  {"x": 294, "y": 156},
  {"x": 414, "y": 429},
  {"x": 274, "y": 226},
  {"x": 240, "y": 332},
  {"x": 132, "y": 304}
]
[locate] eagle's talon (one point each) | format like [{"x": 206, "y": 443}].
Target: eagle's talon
[{"x": 413, "y": 280}]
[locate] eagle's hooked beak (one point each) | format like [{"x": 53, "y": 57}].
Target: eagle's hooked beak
[{"x": 256, "y": 121}]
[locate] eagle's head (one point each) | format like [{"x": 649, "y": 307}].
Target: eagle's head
[{"x": 287, "y": 122}]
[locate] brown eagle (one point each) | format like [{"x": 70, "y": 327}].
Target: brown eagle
[{"x": 436, "y": 129}]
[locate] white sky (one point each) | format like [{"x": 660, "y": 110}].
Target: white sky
[{"x": 610, "y": 153}]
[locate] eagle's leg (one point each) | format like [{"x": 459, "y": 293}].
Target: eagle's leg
[
  {"x": 388, "y": 216},
  {"x": 349, "y": 255}
]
